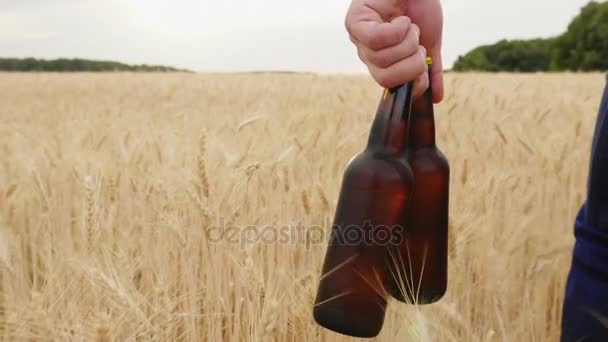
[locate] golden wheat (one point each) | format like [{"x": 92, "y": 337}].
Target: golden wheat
[{"x": 108, "y": 161}]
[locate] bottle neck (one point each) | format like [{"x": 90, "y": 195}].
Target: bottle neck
[
  {"x": 389, "y": 131},
  {"x": 422, "y": 120}
]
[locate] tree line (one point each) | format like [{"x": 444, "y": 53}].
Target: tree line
[
  {"x": 583, "y": 47},
  {"x": 76, "y": 64}
]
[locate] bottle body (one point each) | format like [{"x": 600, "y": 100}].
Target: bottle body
[
  {"x": 376, "y": 189},
  {"x": 421, "y": 261},
  {"x": 354, "y": 286}
]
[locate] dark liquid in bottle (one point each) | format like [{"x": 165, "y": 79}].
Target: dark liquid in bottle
[
  {"x": 356, "y": 279},
  {"x": 421, "y": 262}
]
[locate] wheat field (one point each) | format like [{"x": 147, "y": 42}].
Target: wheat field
[{"x": 113, "y": 187}]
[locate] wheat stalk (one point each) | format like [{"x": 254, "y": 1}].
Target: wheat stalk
[
  {"x": 201, "y": 171},
  {"x": 90, "y": 211},
  {"x": 305, "y": 202},
  {"x": 162, "y": 279}
]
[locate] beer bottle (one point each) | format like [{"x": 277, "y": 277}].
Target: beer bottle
[
  {"x": 421, "y": 260},
  {"x": 376, "y": 187}
]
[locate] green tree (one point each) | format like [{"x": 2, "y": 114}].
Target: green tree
[
  {"x": 516, "y": 55},
  {"x": 585, "y": 45},
  {"x": 65, "y": 65}
]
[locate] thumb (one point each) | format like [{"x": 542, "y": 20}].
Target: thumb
[{"x": 437, "y": 73}]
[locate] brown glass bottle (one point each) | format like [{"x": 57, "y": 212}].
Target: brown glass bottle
[
  {"x": 376, "y": 187},
  {"x": 422, "y": 260}
]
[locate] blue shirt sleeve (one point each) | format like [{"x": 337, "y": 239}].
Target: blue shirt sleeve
[
  {"x": 585, "y": 310},
  {"x": 597, "y": 185}
]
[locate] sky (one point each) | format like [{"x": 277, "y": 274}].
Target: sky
[{"x": 246, "y": 35}]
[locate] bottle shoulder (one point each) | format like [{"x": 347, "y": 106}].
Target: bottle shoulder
[
  {"x": 370, "y": 168},
  {"x": 428, "y": 158}
]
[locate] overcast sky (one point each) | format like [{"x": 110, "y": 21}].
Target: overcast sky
[{"x": 238, "y": 35}]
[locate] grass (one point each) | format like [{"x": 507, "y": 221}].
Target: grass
[{"x": 112, "y": 187}]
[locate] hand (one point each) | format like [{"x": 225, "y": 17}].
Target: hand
[{"x": 393, "y": 38}]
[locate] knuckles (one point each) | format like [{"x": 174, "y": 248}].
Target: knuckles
[
  {"x": 388, "y": 68},
  {"x": 386, "y": 79},
  {"x": 401, "y": 72},
  {"x": 380, "y": 60},
  {"x": 379, "y": 36}
]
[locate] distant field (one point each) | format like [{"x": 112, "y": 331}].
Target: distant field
[{"x": 112, "y": 187}]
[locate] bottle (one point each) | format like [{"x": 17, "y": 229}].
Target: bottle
[
  {"x": 376, "y": 187},
  {"x": 422, "y": 259}
]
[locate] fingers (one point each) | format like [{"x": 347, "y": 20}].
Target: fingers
[
  {"x": 376, "y": 35},
  {"x": 392, "y": 50},
  {"x": 403, "y": 71},
  {"x": 391, "y": 55},
  {"x": 421, "y": 84},
  {"x": 437, "y": 73}
]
